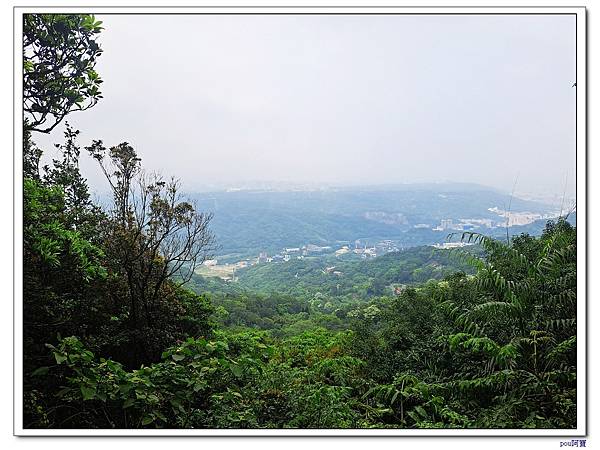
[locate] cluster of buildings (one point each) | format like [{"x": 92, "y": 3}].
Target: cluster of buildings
[
  {"x": 505, "y": 218},
  {"x": 359, "y": 248},
  {"x": 447, "y": 245},
  {"x": 297, "y": 252},
  {"x": 227, "y": 271},
  {"x": 519, "y": 218},
  {"x": 362, "y": 249},
  {"x": 285, "y": 255},
  {"x": 380, "y": 248},
  {"x": 464, "y": 224}
]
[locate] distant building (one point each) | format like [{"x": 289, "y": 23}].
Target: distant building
[
  {"x": 447, "y": 245},
  {"x": 312, "y": 248},
  {"x": 370, "y": 252},
  {"x": 210, "y": 262},
  {"x": 342, "y": 251},
  {"x": 517, "y": 218},
  {"x": 385, "y": 246},
  {"x": 446, "y": 224}
]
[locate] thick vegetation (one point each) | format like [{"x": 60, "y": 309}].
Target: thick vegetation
[
  {"x": 114, "y": 337},
  {"x": 353, "y": 279}
]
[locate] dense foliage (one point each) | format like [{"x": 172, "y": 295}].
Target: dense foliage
[
  {"x": 494, "y": 350},
  {"x": 353, "y": 278},
  {"x": 115, "y": 338}
]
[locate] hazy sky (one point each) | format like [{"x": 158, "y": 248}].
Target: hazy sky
[{"x": 340, "y": 99}]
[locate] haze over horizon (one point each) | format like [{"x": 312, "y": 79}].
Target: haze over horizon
[{"x": 339, "y": 100}]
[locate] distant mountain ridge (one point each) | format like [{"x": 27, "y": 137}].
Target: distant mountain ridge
[{"x": 247, "y": 221}]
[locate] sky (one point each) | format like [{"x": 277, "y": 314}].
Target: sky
[{"x": 339, "y": 100}]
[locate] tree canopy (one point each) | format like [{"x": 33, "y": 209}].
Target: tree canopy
[{"x": 60, "y": 52}]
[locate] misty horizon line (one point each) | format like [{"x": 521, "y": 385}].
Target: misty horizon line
[
  {"x": 258, "y": 186},
  {"x": 284, "y": 185}
]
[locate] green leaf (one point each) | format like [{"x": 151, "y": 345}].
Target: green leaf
[
  {"x": 63, "y": 391},
  {"x": 127, "y": 403},
  {"x": 39, "y": 371},
  {"x": 177, "y": 357},
  {"x": 147, "y": 420},
  {"x": 88, "y": 392},
  {"x": 125, "y": 388},
  {"x": 421, "y": 411},
  {"x": 236, "y": 370},
  {"x": 60, "y": 358}
]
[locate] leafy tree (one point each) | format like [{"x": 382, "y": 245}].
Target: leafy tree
[
  {"x": 62, "y": 277},
  {"x": 181, "y": 390},
  {"x": 154, "y": 240},
  {"x": 526, "y": 326},
  {"x": 80, "y": 212},
  {"x": 59, "y": 58}
]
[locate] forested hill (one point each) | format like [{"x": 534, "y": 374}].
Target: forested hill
[
  {"x": 247, "y": 222},
  {"x": 358, "y": 278},
  {"x": 304, "y": 295}
]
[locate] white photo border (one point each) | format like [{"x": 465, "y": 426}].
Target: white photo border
[{"x": 581, "y": 197}]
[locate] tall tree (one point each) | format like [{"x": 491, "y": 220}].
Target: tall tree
[
  {"x": 59, "y": 58},
  {"x": 155, "y": 238}
]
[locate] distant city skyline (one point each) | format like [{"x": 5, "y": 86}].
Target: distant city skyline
[{"x": 339, "y": 100}]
